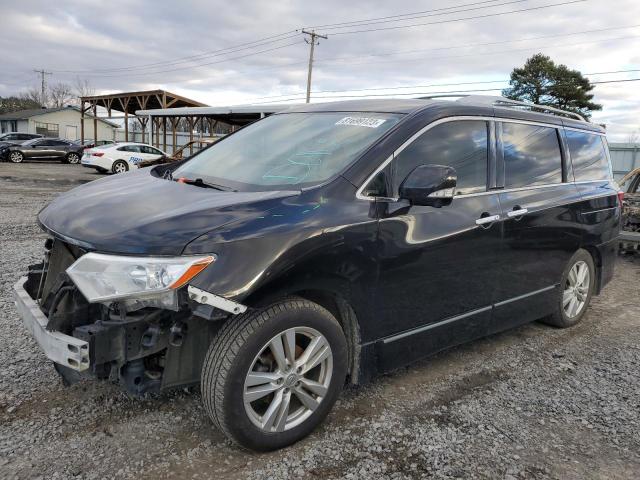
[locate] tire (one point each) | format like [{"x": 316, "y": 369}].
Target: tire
[
  {"x": 72, "y": 158},
  {"x": 243, "y": 344},
  {"x": 569, "y": 313},
  {"x": 120, "y": 166},
  {"x": 16, "y": 157}
]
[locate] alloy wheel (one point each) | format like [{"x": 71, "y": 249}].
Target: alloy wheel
[
  {"x": 288, "y": 379},
  {"x": 119, "y": 167},
  {"x": 576, "y": 290},
  {"x": 73, "y": 158},
  {"x": 16, "y": 157}
]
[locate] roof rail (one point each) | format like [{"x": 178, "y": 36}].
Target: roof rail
[
  {"x": 489, "y": 100},
  {"x": 505, "y": 102},
  {"x": 449, "y": 95}
]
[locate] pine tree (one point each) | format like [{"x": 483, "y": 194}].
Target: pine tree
[{"x": 543, "y": 82}]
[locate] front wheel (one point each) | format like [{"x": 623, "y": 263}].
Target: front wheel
[
  {"x": 16, "y": 157},
  {"x": 576, "y": 289},
  {"x": 272, "y": 375}
]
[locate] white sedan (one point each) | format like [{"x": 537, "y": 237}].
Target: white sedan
[{"x": 119, "y": 157}]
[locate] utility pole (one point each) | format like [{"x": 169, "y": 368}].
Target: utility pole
[
  {"x": 312, "y": 42},
  {"x": 42, "y": 74}
]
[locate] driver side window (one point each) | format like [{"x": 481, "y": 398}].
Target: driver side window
[{"x": 461, "y": 144}]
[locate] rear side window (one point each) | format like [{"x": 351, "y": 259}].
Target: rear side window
[
  {"x": 531, "y": 155},
  {"x": 130, "y": 149},
  {"x": 461, "y": 144},
  {"x": 588, "y": 156}
]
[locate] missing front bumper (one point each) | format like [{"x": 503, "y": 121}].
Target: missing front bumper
[{"x": 63, "y": 349}]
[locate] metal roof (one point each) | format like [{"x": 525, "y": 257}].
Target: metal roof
[
  {"x": 198, "y": 111},
  {"x": 33, "y": 112},
  {"x": 130, "y": 101}
]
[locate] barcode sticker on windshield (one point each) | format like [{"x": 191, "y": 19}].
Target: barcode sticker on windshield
[{"x": 361, "y": 122}]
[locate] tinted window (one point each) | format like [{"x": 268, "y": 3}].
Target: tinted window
[
  {"x": 587, "y": 156},
  {"x": 462, "y": 145},
  {"x": 58, "y": 143},
  {"x": 150, "y": 150},
  {"x": 531, "y": 155},
  {"x": 130, "y": 148}
]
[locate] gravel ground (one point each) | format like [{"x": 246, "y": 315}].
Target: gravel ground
[{"x": 534, "y": 402}]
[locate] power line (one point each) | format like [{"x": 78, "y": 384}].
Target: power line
[
  {"x": 475, "y": 17},
  {"x": 426, "y": 15},
  {"x": 329, "y": 25},
  {"x": 359, "y": 31},
  {"x": 248, "y": 45},
  {"x": 211, "y": 53},
  {"x": 482, "y": 54},
  {"x": 299, "y": 97},
  {"x": 469, "y": 45},
  {"x": 404, "y": 87},
  {"x": 293, "y": 33},
  {"x": 194, "y": 66}
]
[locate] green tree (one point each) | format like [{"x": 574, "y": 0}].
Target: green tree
[
  {"x": 544, "y": 82},
  {"x": 14, "y": 104}
]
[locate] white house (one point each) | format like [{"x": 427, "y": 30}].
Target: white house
[{"x": 61, "y": 122}]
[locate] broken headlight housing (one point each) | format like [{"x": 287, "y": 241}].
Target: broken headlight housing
[{"x": 137, "y": 281}]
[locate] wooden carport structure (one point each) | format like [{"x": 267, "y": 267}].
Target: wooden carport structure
[
  {"x": 208, "y": 118},
  {"x": 129, "y": 103}
]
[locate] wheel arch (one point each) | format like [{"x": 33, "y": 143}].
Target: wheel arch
[{"x": 327, "y": 293}]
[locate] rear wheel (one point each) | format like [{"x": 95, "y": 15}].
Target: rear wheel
[
  {"x": 72, "y": 158},
  {"x": 576, "y": 289},
  {"x": 120, "y": 166},
  {"x": 16, "y": 157},
  {"x": 271, "y": 376}
]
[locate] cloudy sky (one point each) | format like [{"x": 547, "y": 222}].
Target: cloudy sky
[{"x": 223, "y": 53}]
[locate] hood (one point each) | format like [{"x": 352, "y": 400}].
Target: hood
[{"x": 139, "y": 213}]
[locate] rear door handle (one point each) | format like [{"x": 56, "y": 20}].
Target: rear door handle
[
  {"x": 517, "y": 213},
  {"x": 487, "y": 219}
]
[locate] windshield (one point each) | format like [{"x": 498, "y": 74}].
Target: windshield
[{"x": 293, "y": 149}]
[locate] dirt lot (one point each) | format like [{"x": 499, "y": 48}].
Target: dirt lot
[{"x": 530, "y": 403}]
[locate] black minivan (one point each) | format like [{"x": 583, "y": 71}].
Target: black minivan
[{"x": 322, "y": 245}]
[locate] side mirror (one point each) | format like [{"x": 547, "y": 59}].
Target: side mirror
[{"x": 429, "y": 185}]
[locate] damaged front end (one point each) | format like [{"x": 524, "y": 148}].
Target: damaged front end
[{"x": 131, "y": 320}]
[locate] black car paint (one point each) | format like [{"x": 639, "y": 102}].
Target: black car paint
[{"x": 418, "y": 279}]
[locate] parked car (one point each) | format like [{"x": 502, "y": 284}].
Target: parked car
[
  {"x": 18, "y": 137},
  {"x": 179, "y": 154},
  {"x": 45, "y": 149},
  {"x": 9, "y": 139},
  {"x": 93, "y": 143},
  {"x": 119, "y": 157},
  {"x": 327, "y": 243}
]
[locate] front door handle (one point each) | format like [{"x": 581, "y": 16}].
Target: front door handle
[
  {"x": 517, "y": 213},
  {"x": 487, "y": 219}
]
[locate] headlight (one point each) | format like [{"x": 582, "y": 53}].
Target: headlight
[{"x": 106, "y": 278}]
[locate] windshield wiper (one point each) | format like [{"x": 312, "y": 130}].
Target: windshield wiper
[{"x": 198, "y": 182}]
